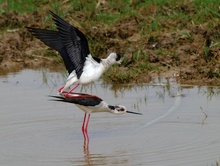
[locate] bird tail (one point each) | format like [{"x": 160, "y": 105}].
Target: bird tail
[
  {"x": 65, "y": 100},
  {"x": 49, "y": 37},
  {"x": 59, "y": 98}
]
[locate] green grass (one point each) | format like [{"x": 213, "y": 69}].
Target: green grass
[
  {"x": 162, "y": 11},
  {"x": 19, "y": 6},
  {"x": 107, "y": 17}
]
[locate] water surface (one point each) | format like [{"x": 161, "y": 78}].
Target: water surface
[{"x": 179, "y": 126}]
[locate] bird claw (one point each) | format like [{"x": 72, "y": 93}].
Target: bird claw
[{"x": 60, "y": 89}]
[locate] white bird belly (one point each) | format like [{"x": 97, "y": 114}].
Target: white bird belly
[
  {"x": 72, "y": 78},
  {"x": 91, "y": 72}
]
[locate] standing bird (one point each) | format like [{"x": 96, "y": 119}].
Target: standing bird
[
  {"x": 90, "y": 104},
  {"x": 73, "y": 47}
]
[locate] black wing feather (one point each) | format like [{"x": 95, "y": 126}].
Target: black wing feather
[
  {"x": 70, "y": 42},
  {"x": 52, "y": 39},
  {"x": 84, "y": 100},
  {"x": 74, "y": 41},
  {"x": 49, "y": 37}
]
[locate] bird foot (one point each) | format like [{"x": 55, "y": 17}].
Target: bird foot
[
  {"x": 60, "y": 89},
  {"x": 66, "y": 95}
]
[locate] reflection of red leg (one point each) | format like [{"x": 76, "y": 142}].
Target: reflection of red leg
[
  {"x": 86, "y": 144},
  {"x": 66, "y": 95},
  {"x": 85, "y": 133}
]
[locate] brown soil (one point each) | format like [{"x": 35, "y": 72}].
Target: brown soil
[{"x": 186, "y": 54}]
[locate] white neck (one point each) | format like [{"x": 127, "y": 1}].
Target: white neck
[{"x": 106, "y": 63}]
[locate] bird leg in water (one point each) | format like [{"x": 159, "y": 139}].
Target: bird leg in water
[
  {"x": 85, "y": 123},
  {"x": 85, "y": 129}
]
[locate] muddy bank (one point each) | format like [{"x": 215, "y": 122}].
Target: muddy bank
[{"x": 192, "y": 53}]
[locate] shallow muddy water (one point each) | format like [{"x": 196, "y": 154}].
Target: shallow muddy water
[{"x": 179, "y": 125}]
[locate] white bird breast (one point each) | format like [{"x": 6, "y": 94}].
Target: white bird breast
[
  {"x": 92, "y": 71},
  {"x": 102, "y": 107}
]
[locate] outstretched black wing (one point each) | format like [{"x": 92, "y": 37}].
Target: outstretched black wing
[
  {"x": 74, "y": 41},
  {"x": 53, "y": 40},
  {"x": 70, "y": 42}
]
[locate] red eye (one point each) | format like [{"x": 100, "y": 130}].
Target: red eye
[{"x": 121, "y": 109}]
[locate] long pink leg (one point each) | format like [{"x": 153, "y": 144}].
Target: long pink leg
[
  {"x": 83, "y": 125},
  {"x": 84, "y": 130},
  {"x": 60, "y": 89},
  {"x": 66, "y": 95},
  {"x": 87, "y": 124}
]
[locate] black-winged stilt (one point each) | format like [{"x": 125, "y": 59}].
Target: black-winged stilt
[
  {"x": 91, "y": 104},
  {"x": 73, "y": 47}
]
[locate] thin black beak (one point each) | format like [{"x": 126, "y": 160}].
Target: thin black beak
[{"x": 134, "y": 112}]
